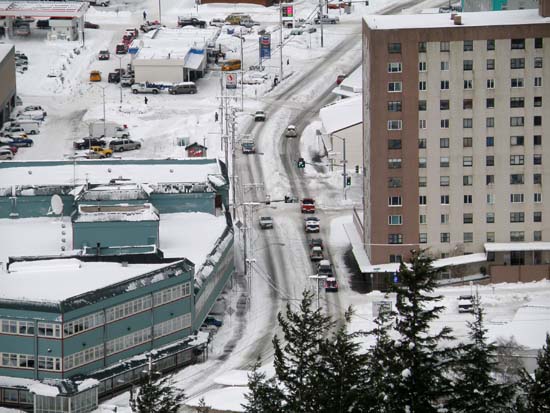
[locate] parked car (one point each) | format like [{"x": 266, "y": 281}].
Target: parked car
[
  {"x": 43, "y": 24},
  {"x": 90, "y": 25},
  {"x": 150, "y": 25},
  {"x": 340, "y": 79},
  {"x": 86, "y": 143},
  {"x": 104, "y": 152},
  {"x": 127, "y": 80},
  {"x": 325, "y": 268},
  {"x": 14, "y": 131},
  {"x": 217, "y": 22},
  {"x": 7, "y": 145},
  {"x": 120, "y": 145},
  {"x": 331, "y": 285},
  {"x": 312, "y": 224},
  {"x": 22, "y": 142},
  {"x": 121, "y": 48},
  {"x": 316, "y": 254},
  {"x": 29, "y": 126},
  {"x": 133, "y": 31},
  {"x": 22, "y": 29},
  {"x": 326, "y": 20},
  {"x": 231, "y": 64},
  {"x": 266, "y": 223},
  {"x": 296, "y": 32},
  {"x": 183, "y": 88},
  {"x": 114, "y": 77},
  {"x": 95, "y": 76},
  {"x": 316, "y": 242},
  {"x": 5, "y": 154},
  {"x": 102, "y": 3},
  {"x": 191, "y": 21},
  {"x": 291, "y": 131},
  {"x": 465, "y": 304},
  {"x": 34, "y": 108},
  {"x": 308, "y": 205},
  {"x": 259, "y": 116},
  {"x": 211, "y": 321},
  {"x": 104, "y": 55}
]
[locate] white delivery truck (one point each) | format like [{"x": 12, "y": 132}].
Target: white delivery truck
[
  {"x": 98, "y": 128},
  {"x": 32, "y": 127}
]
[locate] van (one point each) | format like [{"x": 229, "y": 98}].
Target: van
[
  {"x": 183, "y": 88},
  {"x": 231, "y": 64},
  {"x": 29, "y": 126},
  {"x": 236, "y": 18}
]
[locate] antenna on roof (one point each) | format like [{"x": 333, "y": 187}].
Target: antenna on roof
[{"x": 56, "y": 204}]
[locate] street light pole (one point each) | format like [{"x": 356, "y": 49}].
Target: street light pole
[
  {"x": 320, "y": 20},
  {"x": 120, "y": 76},
  {"x": 281, "y": 39},
  {"x": 160, "y": 18},
  {"x": 317, "y": 278},
  {"x": 242, "y": 71},
  {"x": 344, "y": 161}
]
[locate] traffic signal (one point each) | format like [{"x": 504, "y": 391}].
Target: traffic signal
[
  {"x": 301, "y": 163},
  {"x": 356, "y": 169},
  {"x": 348, "y": 181}
]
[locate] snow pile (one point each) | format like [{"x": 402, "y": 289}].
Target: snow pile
[
  {"x": 42, "y": 389},
  {"x": 228, "y": 399}
]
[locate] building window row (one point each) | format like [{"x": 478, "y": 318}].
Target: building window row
[
  {"x": 468, "y": 199},
  {"x": 129, "y": 308},
  {"x": 468, "y": 84},
  {"x": 128, "y": 341},
  {"x": 89, "y": 355},
  {"x": 468, "y": 45},
  {"x": 20, "y": 327},
  {"x": 27, "y": 361},
  {"x": 83, "y": 323},
  {"x": 171, "y": 294},
  {"x": 171, "y": 326}
]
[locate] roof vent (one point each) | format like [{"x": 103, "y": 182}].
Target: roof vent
[
  {"x": 124, "y": 263},
  {"x": 453, "y": 16},
  {"x": 458, "y": 20}
]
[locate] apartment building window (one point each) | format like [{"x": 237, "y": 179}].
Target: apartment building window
[
  {"x": 422, "y": 143},
  {"x": 422, "y": 47},
  {"x": 444, "y": 46},
  {"x": 517, "y": 121},
  {"x": 517, "y": 102},
  {"x": 517, "y": 63},
  {"x": 395, "y": 238},
  {"x": 467, "y": 180},
  {"x": 516, "y": 198},
  {"x": 468, "y": 199},
  {"x": 468, "y": 84},
  {"x": 422, "y": 238},
  {"x": 445, "y": 237},
  {"x": 422, "y": 105},
  {"x": 443, "y": 142},
  {"x": 467, "y": 104},
  {"x": 422, "y": 220},
  {"x": 517, "y": 44},
  {"x": 517, "y": 159},
  {"x": 468, "y": 65},
  {"x": 395, "y": 124},
  {"x": 444, "y": 123},
  {"x": 467, "y": 142},
  {"x": 394, "y": 106},
  {"x": 537, "y": 140},
  {"x": 444, "y": 84},
  {"x": 517, "y": 179},
  {"x": 394, "y": 47},
  {"x": 468, "y": 45},
  {"x": 422, "y": 200},
  {"x": 489, "y": 141},
  {"x": 537, "y": 235},
  {"x": 422, "y": 85},
  {"x": 537, "y": 159},
  {"x": 517, "y": 236},
  {"x": 422, "y": 66},
  {"x": 489, "y": 160},
  {"x": 394, "y": 201},
  {"x": 467, "y": 123},
  {"x": 422, "y": 124},
  {"x": 444, "y": 181},
  {"x": 490, "y": 217},
  {"x": 422, "y": 162},
  {"x": 516, "y": 82},
  {"x": 444, "y": 104},
  {"x": 491, "y": 44},
  {"x": 395, "y": 219},
  {"x": 538, "y": 81},
  {"x": 490, "y": 103},
  {"x": 537, "y": 197},
  {"x": 490, "y": 64},
  {"x": 490, "y": 237},
  {"x": 394, "y": 87},
  {"x": 445, "y": 199},
  {"x": 490, "y": 199},
  {"x": 490, "y": 122},
  {"x": 516, "y": 140},
  {"x": 489, "y": 179},
  {"x": 422, "y": 181},
  {"x": 538, "y": 42},
  {"x": 468, "y": 237},
  {"x": 467, "y": 160},
  {"x": 468, "y": 218},
  {"x": 537, "y": 179},
  {"x": 490, "y": 83},
  {"x": 537, "y": 216},
  {"x": 395, "y": 67},
  {"x": 394, "y": 163},
  {"x": 537, "y": 120},
  {"x": 394, "y": 144},
  {"x": 395, "y": 258},
  {"x": 537, "y": 63},
  {"x": 394, "y": 182},
  {"x": 444, "y": 65},
  {"x": 537, "y": 101},
  {"x": 444, "y": 219},
  {"x": 516, "y": 217},
  {"x": 444, "y": 162}
]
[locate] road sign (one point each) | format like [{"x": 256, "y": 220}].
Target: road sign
[
  {"x": 265, "y": 46},
  {"x": 231, "y": 81}
]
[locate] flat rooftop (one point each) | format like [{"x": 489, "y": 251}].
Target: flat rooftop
[
  {"x": 53, "y": 173},
  {"x": 118, "y": 212},
  {"x": 42, "y": 9},
  {"x": 442, "y": 20},
  {"x": 174, "y": 43}
]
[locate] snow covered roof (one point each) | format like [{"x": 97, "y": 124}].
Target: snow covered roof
[
  {"x": 102, "y": 172},
  {"x": 516, "y": 246},
  {"x": 43, "y": 9},
  {"x": 59, "y": 279},
  {"x": 443, "y": 262},
  {"x": 342, "y": 114},
  {"x": 352, "y": 84},
  {"x": 443, "y": 20},
  {"x": 194, "y": 61},
  {"x": 118, "y": 212}
]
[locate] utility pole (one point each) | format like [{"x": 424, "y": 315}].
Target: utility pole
[
  {"x": 320, "y": 20},
  {"x": 281, "y": 39},
  {"x": 242, "y": 71},
  {"x": 245, "y": 238},
  {"x": 345, "y": 174},
  {"x": 233, "y": 159},
  {"x": 221, "y": 103},
  {"x": 120, "y": 75}
]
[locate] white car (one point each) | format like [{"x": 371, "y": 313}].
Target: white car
[
  {"x": 5, "y": 154},
  {"x": 259, "y": 116},
  {"x": 266, "y": 222},
  {"x": 291, "y": 131}
]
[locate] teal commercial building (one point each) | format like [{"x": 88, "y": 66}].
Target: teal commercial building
[{"x": 103, "y": 262}]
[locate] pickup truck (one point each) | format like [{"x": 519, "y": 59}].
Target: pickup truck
[
  {"x": 326, "y": 20},
  {"x": 127, "y": 80},
  {"x": 147, "y": 87},
  {"x": 191, "y": 21}
]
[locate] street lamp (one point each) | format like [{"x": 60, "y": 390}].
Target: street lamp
[
  {"x": 344, "y": 161},
  {"x": 120, "y": 75},
  {"x": 318, "y": 277}
]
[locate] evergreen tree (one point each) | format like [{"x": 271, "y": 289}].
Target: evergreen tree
[
  {"x": 423, "y": 361},
  {"x": 157, "y": 397},
  {"x": 297, "y": 360},
  {"x": 538, "y": 386},
  {"x": 263, "y": 396},
  {"x": 475, "y": 388},
  {"x": 341, "y": 371}
]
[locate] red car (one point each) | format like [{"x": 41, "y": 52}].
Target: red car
[
  {"x": 340, "y": 79},
  {"x": 104, "y": 55},
  {"x": 121, "y": 48},
  {"x": 308, "y": 206},
  {"x": 331, "y": 285}
]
